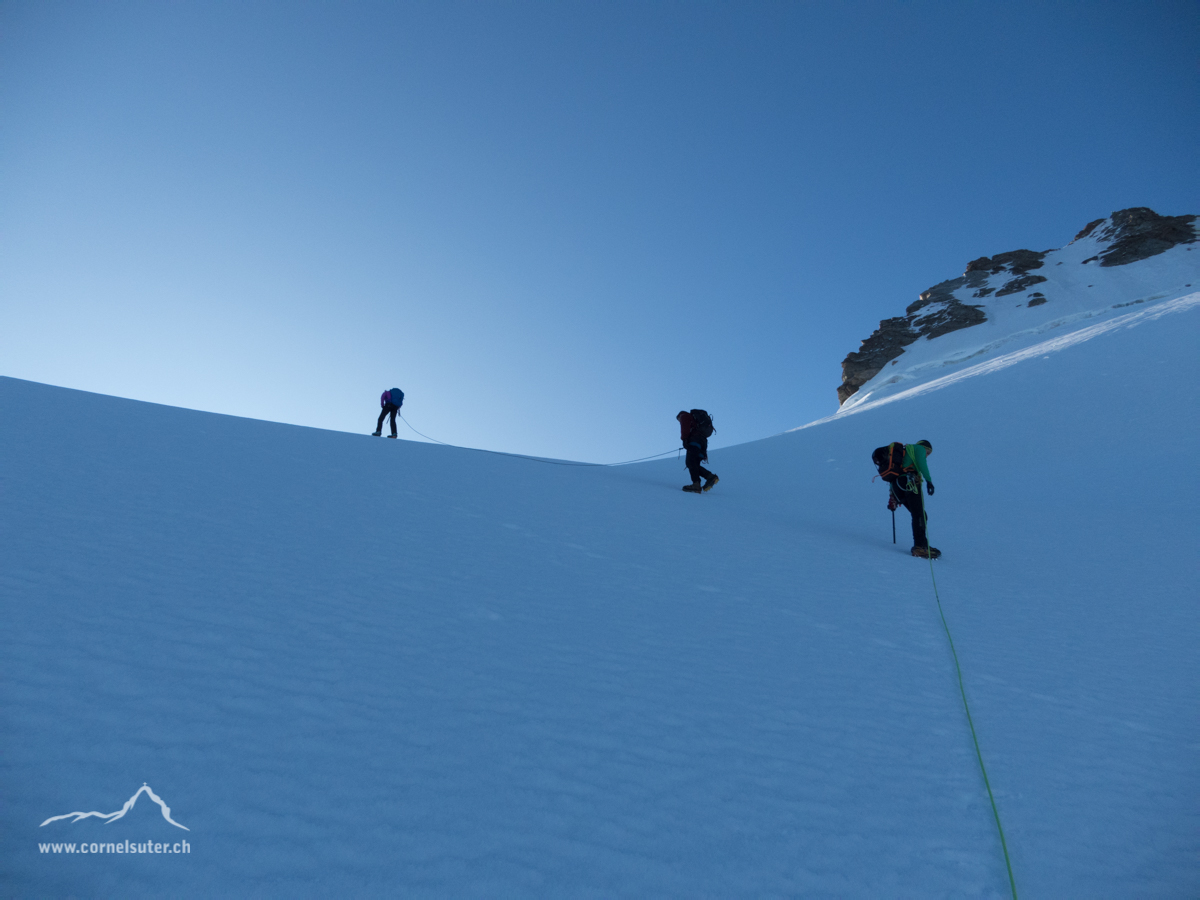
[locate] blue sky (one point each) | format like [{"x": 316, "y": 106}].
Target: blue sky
[{"x": 553, "y": 225}]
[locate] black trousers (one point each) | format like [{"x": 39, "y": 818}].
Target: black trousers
[
  {"x": 915, "y": 504},
  {"x": 694, "y": 457},
  {"x": 390, "y": 408}
]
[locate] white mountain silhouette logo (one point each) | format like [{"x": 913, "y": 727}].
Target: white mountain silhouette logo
[{"x": 113, "y": 816}]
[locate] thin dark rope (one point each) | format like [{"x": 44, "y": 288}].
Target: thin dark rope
[
  {"x": 427, "y": 437},
  {"x": 552, "y": 462}
]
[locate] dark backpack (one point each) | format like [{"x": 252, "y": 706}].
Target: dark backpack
[
  {"x": 702, "y": 425},
  {"x": 397, "y": 396},
  {"x": 889, "y": 460}
]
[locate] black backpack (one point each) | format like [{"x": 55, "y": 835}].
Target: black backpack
[
  {"x": 889, "y": 460},
  {"x": 702, "y": 424}
]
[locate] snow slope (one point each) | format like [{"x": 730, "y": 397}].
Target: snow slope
[
  {"x": 1077, "y": 292},
  {"x": 361, "y": 667}
]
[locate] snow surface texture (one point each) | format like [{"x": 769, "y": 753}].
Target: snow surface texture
[
  {"x": 361, "y": 667},
  {"x": 1077, "y": 291}
]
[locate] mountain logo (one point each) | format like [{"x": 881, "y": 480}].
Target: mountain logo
[{"x": 113, "y": 816}]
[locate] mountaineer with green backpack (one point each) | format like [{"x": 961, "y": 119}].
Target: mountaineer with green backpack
[{"x": 902, "y": 466}]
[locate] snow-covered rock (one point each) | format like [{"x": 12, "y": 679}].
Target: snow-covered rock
[{"x": 1134, "y": 256}]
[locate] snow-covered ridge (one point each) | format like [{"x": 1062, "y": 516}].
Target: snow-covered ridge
[
  {"x": 1068, "y": 337},
  {"x": 1004, "y": 303}
]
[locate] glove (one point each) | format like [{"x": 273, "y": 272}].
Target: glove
[
  {"x": 892, "y": 504},
  {"x": 929, "y": 488}
]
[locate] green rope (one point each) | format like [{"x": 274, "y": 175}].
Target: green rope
[{"x": 975, "y": 738}]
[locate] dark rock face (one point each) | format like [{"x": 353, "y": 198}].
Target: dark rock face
[
  {"x": 936, "y": 312},
  {"x": 1024, "y": 283},
  {"x": 1140, "y": 233},
  {"x": 943, "y": 312},
  {"x": 1131, "y": 235},
  {"x": 1016, "y": 261},
  {"x": 889, "y": 339},
  {"x": 1087, "y": 229}
]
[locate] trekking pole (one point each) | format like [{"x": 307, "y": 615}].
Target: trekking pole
[{"x": 893, "y": 526}]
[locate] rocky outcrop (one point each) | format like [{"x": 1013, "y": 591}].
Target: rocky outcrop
[
  {"x": 1016, "y": 285},
  {"x": 1130, "y": 234},
  {"x": 1087, "y": 229},
  {"x": 936, "y": 312},
  {"x": 1139, "y": 233},
  {"x": 884, "y": 345},
  {"x": 1017, "y": 262}
]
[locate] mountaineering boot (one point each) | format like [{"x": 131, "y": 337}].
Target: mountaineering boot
[
  {"x": 376, "y": 433},
  {"x": 391, "y": 436},
  {"x": 709, "y": 483},
  {"x": 693, "y": 488},
  {"x": 926, "y": 552}
]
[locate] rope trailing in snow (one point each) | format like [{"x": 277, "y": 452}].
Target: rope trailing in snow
[
  {"x": 1012, "y": 882},
  {"x": 427, "y": 437},
  {"x": 552, "y": 462}
]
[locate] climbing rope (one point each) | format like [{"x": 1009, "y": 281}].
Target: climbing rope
[
  {"x": 966, "y": 706},
  {"x": 427, "y": 437},
  {"x": 552, "y": 462}
]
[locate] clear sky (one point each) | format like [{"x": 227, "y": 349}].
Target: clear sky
[{"x": 553, "y": 225}]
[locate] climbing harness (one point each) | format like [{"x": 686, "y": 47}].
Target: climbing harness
[{"x": 970, "y": 722}]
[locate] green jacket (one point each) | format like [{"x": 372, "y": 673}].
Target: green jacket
[{"x": 914, "y": 455}]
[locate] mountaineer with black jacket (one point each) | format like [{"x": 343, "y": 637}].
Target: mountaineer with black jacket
[{"x": 695, "y": 428}]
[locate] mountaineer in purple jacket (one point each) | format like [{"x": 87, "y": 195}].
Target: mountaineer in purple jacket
[{"x": 391, "y": 401}]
